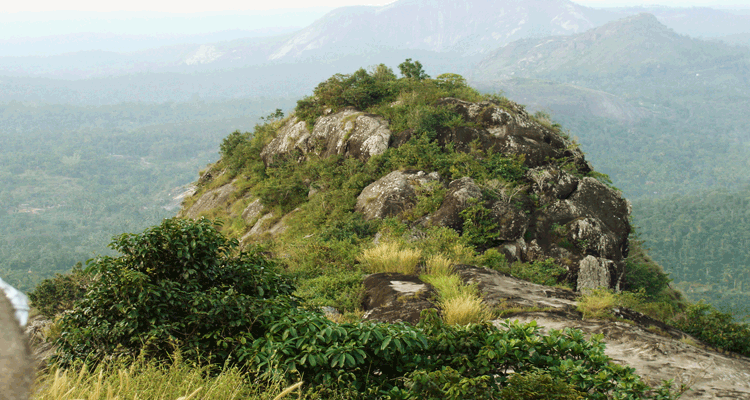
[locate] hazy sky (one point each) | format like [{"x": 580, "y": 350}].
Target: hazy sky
[{"x": 191, "y": 6}]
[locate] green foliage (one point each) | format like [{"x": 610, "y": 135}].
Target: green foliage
[
  {"x": 181, "y": 283},
  {"x": 537, "y": 385},
  {"x": 545, "y": 272},
  {"x": 714, "y": 327},
  {"x": 412, "y": 70},
  {"x": 479, "y": 229},
  {"x": 55, "y": 295},
  {"x": 435, "y": 360},
  {"x": 641, "y": 272}
]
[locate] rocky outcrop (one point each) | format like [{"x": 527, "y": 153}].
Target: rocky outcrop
[
  {"x": 395, "y": 297},
  {"x": 16, "y": 371},
  {"x": 392, "y": 194},
  {"x": 508, "y": 129},
  {"x": 348, "y": 132}
]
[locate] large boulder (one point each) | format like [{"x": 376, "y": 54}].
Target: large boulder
[
  {"x": 578, "y": 220},
  {"x": 348, "y": 132},
  {"x": 16, "y": 370},
  {"x": 392, "y": 194}
]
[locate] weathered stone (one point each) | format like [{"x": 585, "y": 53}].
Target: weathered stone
[
  {"x": 16, "y": 370},
  {"x": 589, "y": 236},
  {"x": 392, "y": 297},
  {"x": 392, "y": 194},
  {"x": 460, "y": 191},
  {"x": 552, "y": 183},
  {"x": 252, "y": 211},
  {"x": 348, "y": 132},
  {"x": 292, "y": 137},
  {"x": 511, "y": 222},
  {"x": 594, "y": 273},
  {"x": 210, "y": 200},
  {"x": 352, "y": 133},
  {"x": 597, "y": 217}
]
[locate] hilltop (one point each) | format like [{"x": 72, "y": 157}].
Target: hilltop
[{"x": 402, "y": 178}]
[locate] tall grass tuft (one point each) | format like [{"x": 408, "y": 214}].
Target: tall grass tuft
[
  {"x": 389, "y": 257},
  {"x": 464, "y": 308},
  {"x": 437, "y": 265},
  {"x": 151, "y": 380},
  {"x": 597, "y": 304},
  {"x": 449, "y": 286}
]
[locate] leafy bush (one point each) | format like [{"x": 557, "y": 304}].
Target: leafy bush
[
  {"x": 643, "y": 272},
  {"x": 545, "y": 272},
  {"x": 181, "y": 283},
  {"x": 55, "y": 295},
  {"x": 436, "y": 360},
  {"x": 715, "y": 328},
  {"x": 537, "y": 385}
]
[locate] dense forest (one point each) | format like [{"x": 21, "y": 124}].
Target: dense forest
[
  {"x": 72, "y": 177},
  {"x": 703, "y": 241}
]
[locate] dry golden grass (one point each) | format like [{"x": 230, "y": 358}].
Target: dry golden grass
[
  {"x": 597, "y": 304},
  {"x": 438, "y": 265},
  {"x": 151, "y": 381},
  {"x": 389, "y": 257},
  {"x": 464, "y": 309}
]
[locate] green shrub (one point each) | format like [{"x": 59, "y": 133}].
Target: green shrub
[
  {"x": 641, "y": 272},
  {"x": 55, "y": 295},
  {"x": 714, "y": 327},
  {"x": 545, "y": 272},
  {"x": 537, "y": 385},
  {"x": 181, "y": 283}
]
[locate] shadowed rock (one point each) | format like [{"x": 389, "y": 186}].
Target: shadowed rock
[{"x": 391, "y": 297}]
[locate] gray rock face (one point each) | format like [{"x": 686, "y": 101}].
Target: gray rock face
[
  {"x": 218, "y": 197},
  {"x": 391, "y": 297},
  {"x": 392, "y": 194},
  {"x": 593, "y": 273},
  {"x": 348, "y": 132},
  {"x": 252, "y": 211},
  {"x": 16, "y": 371},
  {"x": 460, "y": 191}
]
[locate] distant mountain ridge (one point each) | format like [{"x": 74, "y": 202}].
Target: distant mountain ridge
[{"x": 638, "y": 45}]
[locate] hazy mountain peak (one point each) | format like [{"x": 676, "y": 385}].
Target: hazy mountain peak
[{"x": 468, "y": 27}]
